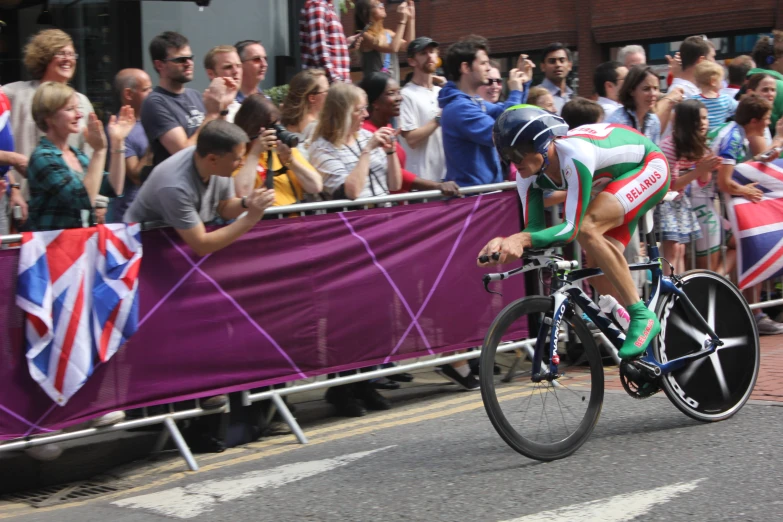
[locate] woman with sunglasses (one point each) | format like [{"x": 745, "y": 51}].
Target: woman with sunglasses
[
  {"x": 293, "y": 175},
  {"x": 380, "y": 46},
  {"x": 303, "y": 103},
  {"x": 494, "y": 88}
]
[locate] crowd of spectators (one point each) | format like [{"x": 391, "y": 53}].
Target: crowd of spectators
[{"x": 188, "y": 158}]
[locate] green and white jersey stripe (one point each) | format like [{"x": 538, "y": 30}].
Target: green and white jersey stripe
[{"x": 590, "y": 157}]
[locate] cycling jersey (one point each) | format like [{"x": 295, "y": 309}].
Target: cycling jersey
[{"x": 597, "y": 158}]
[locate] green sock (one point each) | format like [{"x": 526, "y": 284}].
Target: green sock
[{"x": 643, "y": 328}]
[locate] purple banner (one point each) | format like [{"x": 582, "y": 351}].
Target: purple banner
[{"x": 292, "y": 298}]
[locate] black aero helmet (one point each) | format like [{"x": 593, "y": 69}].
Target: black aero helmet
[{"x": 526, "y": 125}]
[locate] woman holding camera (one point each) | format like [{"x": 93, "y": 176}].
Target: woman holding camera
[{"x": 293, "y": 175}]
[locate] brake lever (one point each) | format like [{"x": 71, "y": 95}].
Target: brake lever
[{"x": 487, "y": 279}]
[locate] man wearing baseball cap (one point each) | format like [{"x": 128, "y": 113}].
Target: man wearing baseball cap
[{"x": 420, "y": 114}]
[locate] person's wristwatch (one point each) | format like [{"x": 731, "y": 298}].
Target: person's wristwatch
[
  {"x": 224, "y": 113},
  {"x": 437, "y": 119},
  {"x": 244, "y": 202}
]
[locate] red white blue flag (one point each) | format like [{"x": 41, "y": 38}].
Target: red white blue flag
[
  {"x": 78, "y": 289},
  {"x": 758, "y": 227}
]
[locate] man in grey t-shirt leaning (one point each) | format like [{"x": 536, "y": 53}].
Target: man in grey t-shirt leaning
[{"x": 194, "y": 186}]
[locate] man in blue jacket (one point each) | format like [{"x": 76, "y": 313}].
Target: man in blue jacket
[{"x": 467, "y": 120}]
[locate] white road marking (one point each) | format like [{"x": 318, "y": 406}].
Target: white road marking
[
  {"x": 194, "y": 499},
  {"x": 620, "y": 508}
]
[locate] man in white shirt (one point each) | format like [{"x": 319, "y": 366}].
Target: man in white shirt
[
  {"x": 607, "y": 81},
  {"x": 420, "y": 113}
]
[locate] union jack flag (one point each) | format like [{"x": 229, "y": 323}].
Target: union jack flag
[
  {"x": 758, "y": 227},
  {"x": 78, "y": 289}
]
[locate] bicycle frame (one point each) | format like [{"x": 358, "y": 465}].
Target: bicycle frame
[{"x": 565, "y": 292}]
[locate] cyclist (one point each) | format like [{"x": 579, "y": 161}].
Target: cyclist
[{"x": 624, "y": 171}]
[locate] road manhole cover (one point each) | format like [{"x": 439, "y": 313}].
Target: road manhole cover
[{"x": 53, "y": 495}]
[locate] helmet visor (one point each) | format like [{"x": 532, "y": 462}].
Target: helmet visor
[{"x": 511, "y": 155}]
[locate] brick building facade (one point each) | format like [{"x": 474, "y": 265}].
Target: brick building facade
[{"x": 591, "y": 27}]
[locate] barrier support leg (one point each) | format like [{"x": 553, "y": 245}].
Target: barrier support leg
[
  {"x": 163, "y": 438},
  {"x": 289, "y": 419},
  {"x": 182, "y": 446}
]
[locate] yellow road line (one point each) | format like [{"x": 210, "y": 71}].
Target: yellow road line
[
  {"x": 339, "y": 425},
  {"x": 372, "y": 424}
]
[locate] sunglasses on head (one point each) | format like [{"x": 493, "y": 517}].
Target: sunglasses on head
[
  {"x": 179, "y": 60},
  {"x": 498, "y": 81}
]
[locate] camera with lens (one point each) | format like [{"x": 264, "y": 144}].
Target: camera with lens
[{"x": 286, "y": 136}]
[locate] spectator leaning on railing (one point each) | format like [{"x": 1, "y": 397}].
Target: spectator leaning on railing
[
  {"x": 354, "y": 163},
  {"x": 194, "y": 186},
  {"x": 293, "y": 175},
  {"x": 63, "y": 181}
]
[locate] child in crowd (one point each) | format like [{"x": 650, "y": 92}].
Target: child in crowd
[
  {"x": 709, "y": 79},
  {"x": 689, "y": 158},
  {"x": 540, "y": 97},
  {"x": 581, "y": 111},
  {"x": 730, "y": 143}
]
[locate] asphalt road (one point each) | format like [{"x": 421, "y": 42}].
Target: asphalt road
[{"x": 441, "y": 460}]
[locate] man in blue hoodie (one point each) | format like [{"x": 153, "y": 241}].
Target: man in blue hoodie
[{"x": 467, "y": 120}]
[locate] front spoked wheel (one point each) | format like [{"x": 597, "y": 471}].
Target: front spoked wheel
[
  {"x": 547, "y": 420},
  {"x": 715, "y": 387}
]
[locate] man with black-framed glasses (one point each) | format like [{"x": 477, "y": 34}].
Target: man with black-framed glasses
[
  {"x": 173, "y": 115},
  {"x": 254, "y": 66}
]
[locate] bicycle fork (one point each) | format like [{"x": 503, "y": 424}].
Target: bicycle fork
[{"x": 546, "y": 342}]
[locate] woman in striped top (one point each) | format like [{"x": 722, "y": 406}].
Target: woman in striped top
[{"x": 689, "y": 158}]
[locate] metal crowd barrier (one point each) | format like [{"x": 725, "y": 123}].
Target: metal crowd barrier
[
  {"x": 276, "y": 395},
  {"x": 169, "y": 419}
]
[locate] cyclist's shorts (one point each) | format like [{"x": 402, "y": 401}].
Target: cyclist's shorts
[{"x": 638, "y": 192}]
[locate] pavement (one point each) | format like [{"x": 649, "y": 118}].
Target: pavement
[{"x": 434, "y": 456}]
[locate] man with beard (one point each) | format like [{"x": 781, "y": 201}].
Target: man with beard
[
  {"x": 173, "y": 115},
  {"x": 420, "y": 114},
  {"x": 556, "y": 63}
]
